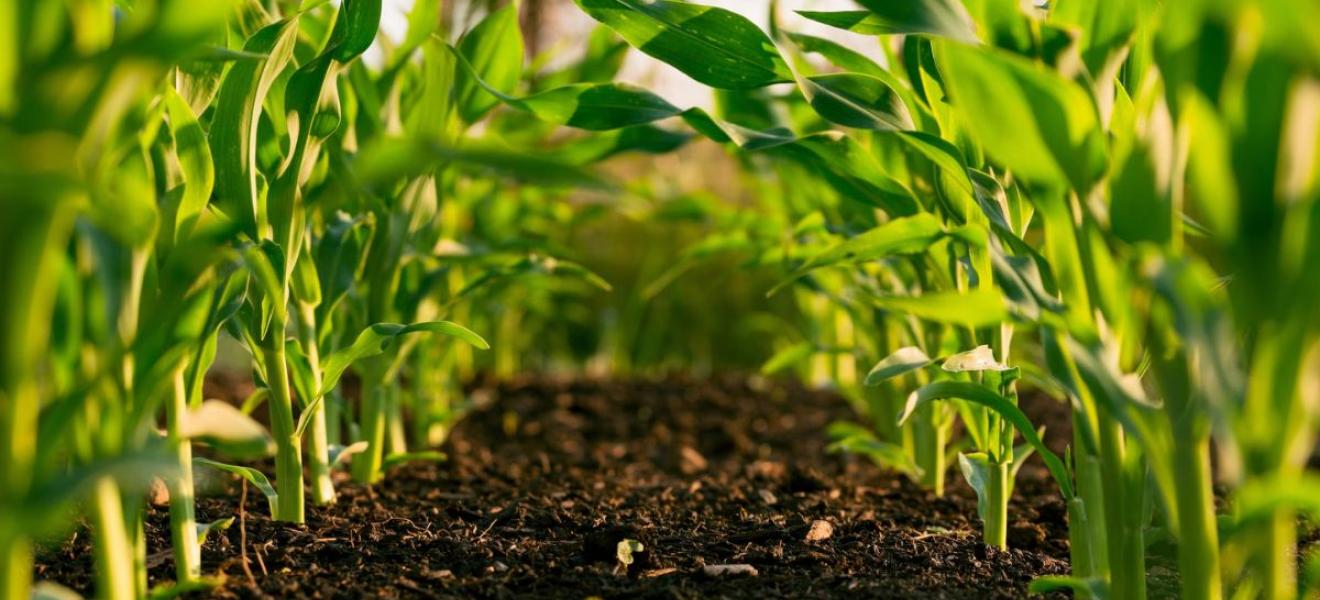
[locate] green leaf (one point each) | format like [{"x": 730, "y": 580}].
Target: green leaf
[
  {"x": 253, "y": 476},
  {"x": 227, "y": 429},
  {"x": 981, "y": 307},
  {"x": 841, "y": 56},
  {"x": 978, "y": 469},
  {"x": 599, "y": 107},
  {"x": 1030, "y": 119},
  {"x": 900, "y": 362},
  {"x": 857, "y": 100},
  {"x": 855, "y": 439},
  {"x": 946, "y": 18},
  {"x": 392, "y": 159},
  {"x": 714, "y": 46},
  {"x": 377, "y": 338},
  {"x": 423, "y": 20},
  {"x": 495, "y": 49},
  {"x": 233, "y": 133},
  {"x": 360, "y": 20},
  {"x": 340, "y": 453},
  {"x": 1088, "y": 587},
  {"x": 904, "y": 235},
  {"x": 194, "y": 156},
  {"x": 980, "y": 358},
  {"x": 978, "y": 394},
  {"x": 788, "y": 357},
  {"x": 857, "y": 21},
  {"x": 204, "y": 529}
]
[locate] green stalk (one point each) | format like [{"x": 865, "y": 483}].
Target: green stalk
[
  {"x": 1126, "y": 547},
  {"x": 1198, "y": 533},
  {"x": 929, "y": 440},
  {"x": 112, "y": 548},
  {"x": 1277, "y": 553},
  {"x": 15, "y": 562},
  {"x": 318, "y": 440},
  {"x": 996, "y": 518},
  {"x": 33, "y": 232},
  {"x": 367, "y": 464},
  {"x": 183, "y": 521},
  {"x": 1090, "y": 492},
  {"x": 396, "y": 441},
  {"x": 334, "y": 418},
  {"x": 1081, "y": 550},
  {"x": 288, "y": 452}
]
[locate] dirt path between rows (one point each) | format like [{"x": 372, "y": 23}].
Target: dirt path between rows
[{"x": 547, "y": 477}]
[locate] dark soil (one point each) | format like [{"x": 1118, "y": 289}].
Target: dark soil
[{"x": 547, "y": 477}]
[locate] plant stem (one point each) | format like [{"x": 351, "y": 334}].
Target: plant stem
[
  {"x": 1198, "y": 533},
  {"x": 1278, "y": 556},
  {"x": 929, "y": 441},
  {"x": 318, "y": 443},
  {"x": 1090, "y": 490},
  {"x": 112, "y": 549},
  {"x": 15, "y": 562},
  {"x": 1127, "y": 556},
  {"x": 183, "y": 521},
  {"x": 996, "y": 518},
  {"x": 288, "y": 451},
  {"x": 366, "y": 465},
  {"x": 396, "y": 439},
  {"x": 1081, "y": 550}
]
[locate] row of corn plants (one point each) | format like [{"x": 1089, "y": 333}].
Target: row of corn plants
[
  {"x": 176, "y": 173},
  {"x": 1127, "y": 192}
]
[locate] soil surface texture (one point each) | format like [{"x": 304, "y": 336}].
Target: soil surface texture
[{"x": 545, "y": 478}]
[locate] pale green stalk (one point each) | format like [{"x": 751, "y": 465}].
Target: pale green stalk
[
  {"x": 183, "y": 521},
  {"x": 367, "y": 464},
  {"x": 288, "y": 450},
  {"x": 318, "y": 440},
  {"x": 112, "y": 548}
]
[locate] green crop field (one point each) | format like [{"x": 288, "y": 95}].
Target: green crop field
[{"x": 1114, "y": 204}]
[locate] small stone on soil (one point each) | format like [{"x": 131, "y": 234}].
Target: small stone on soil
[
  {"x": 820, "y": 530},
  {"x": 740, "y": 570}
]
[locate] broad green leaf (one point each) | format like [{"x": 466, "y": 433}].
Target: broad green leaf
[
  {"x": 978, "y": 469},
  {"x": 392, "y": 159},
  {"x": 360, "y": 19},
  {"x": 714, "y": 46},
  {"x": 423, "y": 20},
  {"x": 855, "y": 439},
  {"x": 377, "y": 338},
  {"x": 49, "y": 590},
  {"x": 946, "y": 18},
  {"x": 204, "y": 529},
  {"x": 599, "y": 107},
  {"x": 857, "y": 100},
  {"x": 900, "y": 362},
  {"x": 857, "y": 21},
  {"x": 978, "y": 394},
  {"x": 495, "y": 49},
  {"x": 1089, "y": 587},
  {"x": 194, "y": 156},
  {"x": 253, "y": 476},
  {"x": 788, "y": 357},
  {"x": 339, "y": 454},
  {"x": 841, "y": 56},
  {"x": 233, "y": 133},
  {"x": 227, "y": 429},
  {"x": 980, "y": 307},
  {"x": 904, "y": 235},
  {"x": 980, "y": 358},
  {"x": 1032, "y": 120}
]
